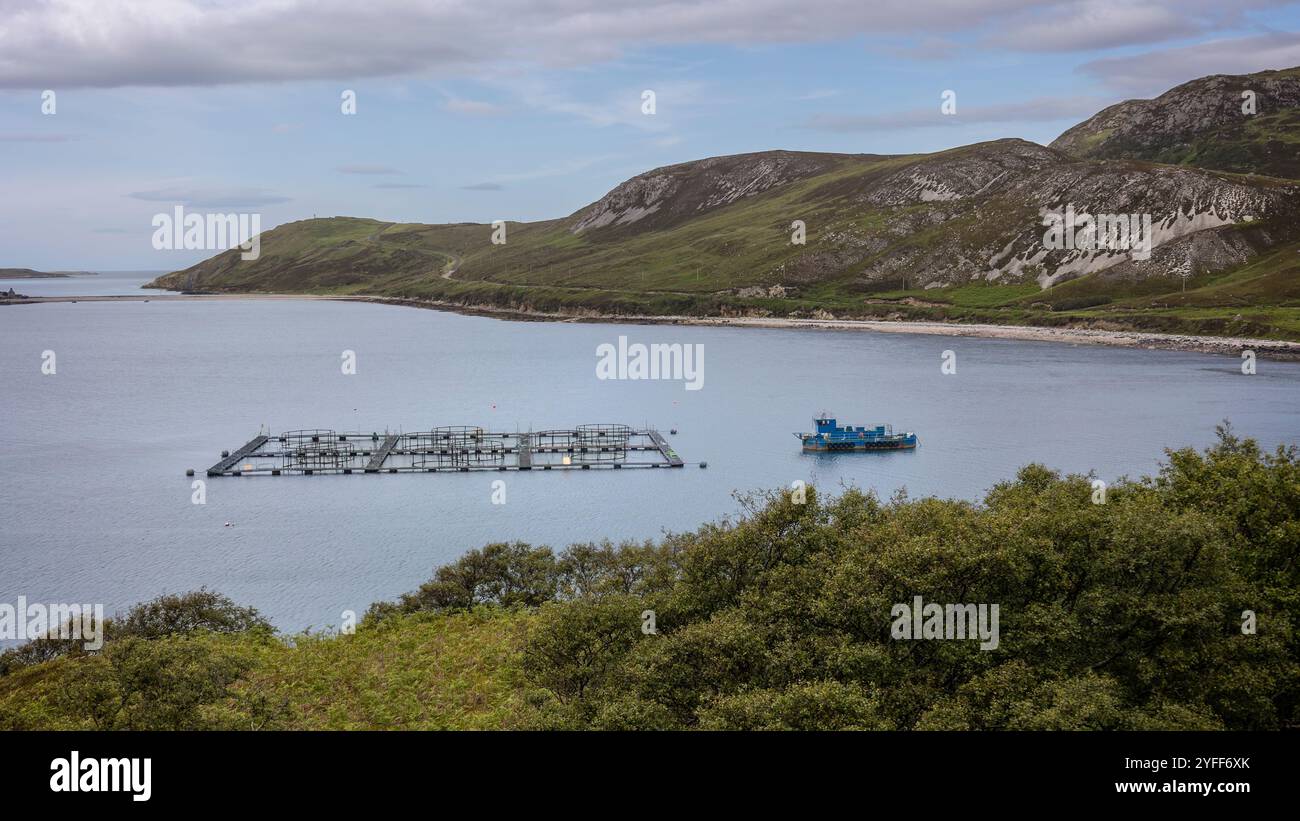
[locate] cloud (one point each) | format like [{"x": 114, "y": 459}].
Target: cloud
[
  {"x": 622, "y": 107},
  {"x": 1088, "y": 25},
  {"x": 1041, "y": 109},
  {"x": 36, "y": 138},
  {"x": 926, "y": 49},
  {"x": 1155, "y": 72},
  {"x": 560, "y": 169},
  {"x": 116, "y": 43},
  {"x": 1100, "y": 24},
  {"x": 398, "y": 185},
  {"x": 199, "y": 197},
  {"x": 820, "y": 94},
  {"x": 482, "y": 186},
  {"x": 366, "y": 169},
  {"x": 475, "y": 107}
]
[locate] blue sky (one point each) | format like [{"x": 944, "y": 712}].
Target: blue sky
[{"x": 501, "y": 110}]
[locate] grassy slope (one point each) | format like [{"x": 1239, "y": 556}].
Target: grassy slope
[
  {"x": 695, "y": 268},
  {"x": 1266, "y": 141}
]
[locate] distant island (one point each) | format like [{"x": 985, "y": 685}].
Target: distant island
[{"x": 28, "y": 273}]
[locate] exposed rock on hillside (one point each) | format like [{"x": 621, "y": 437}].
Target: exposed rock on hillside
[
  {"x": 668, "y": 195},
  {"x": 1202, "y": 123}
]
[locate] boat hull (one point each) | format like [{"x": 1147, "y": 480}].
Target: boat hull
[{"x": 815, "y": 446}]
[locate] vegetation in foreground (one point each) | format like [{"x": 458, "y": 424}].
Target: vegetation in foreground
[{"x": 1122, "y": 615}]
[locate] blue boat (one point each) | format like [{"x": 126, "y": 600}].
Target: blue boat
[{"x": 831, "y": 438}]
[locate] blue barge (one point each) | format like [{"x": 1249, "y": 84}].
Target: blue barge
[{"x": 831, "y": 438}]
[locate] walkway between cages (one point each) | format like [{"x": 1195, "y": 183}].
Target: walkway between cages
[{"x": 448, "y": 449}]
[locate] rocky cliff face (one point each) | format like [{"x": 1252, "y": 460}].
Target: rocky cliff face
[
  {"x": 978, "y": 212},
  {"x": 984, "y": 212},
  {"x": 1207, "y": 123},
  {"x": 667, "y": 196}
]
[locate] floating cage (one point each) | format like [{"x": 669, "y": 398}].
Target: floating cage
[
  {"x": 316, "y": 450},
  {"x": 291, "y": 438},
  {"x": 600, "y": 443},
  {"x": 454, "y": 446},
  {"x": 447, "y": 448},
  {"x": 553, "y": 440},
  {"x": 458, "y": 436},
  {"x": 490, "y": 454}
]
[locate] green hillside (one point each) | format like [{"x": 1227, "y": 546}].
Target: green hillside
[
  {"x": 1202, "y": 123},
  {"x": 956, "y": 235}
]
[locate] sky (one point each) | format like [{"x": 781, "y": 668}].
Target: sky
[{"x": 480, "y": 110}]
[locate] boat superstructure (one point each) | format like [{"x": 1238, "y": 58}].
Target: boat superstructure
[{"x": 830, "y": 437}]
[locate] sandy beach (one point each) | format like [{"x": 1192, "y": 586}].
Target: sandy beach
[{"x": 1232, "y": 346}]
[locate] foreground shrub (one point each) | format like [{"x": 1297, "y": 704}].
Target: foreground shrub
[{"x": 1122, "y": 615}]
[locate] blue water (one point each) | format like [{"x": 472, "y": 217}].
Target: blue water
[
  {"x": 97, "y": 507},
  {"x": 109, "y": 283}
]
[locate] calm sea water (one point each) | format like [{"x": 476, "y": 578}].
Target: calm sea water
[
  {"x": 97, "y": 507},
  {"x": 109, "y": 283}
]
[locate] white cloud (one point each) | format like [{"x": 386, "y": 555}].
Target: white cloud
[
  {"x": 35, "y": 138},
  {"x": 1088, "y": 25},
  {"x": 109, "y": 43},
  {"x": 560, "y": 169},
  {"x": 205, "y": 197},
  {"x": 476, "y": 107},
  {"x": 1155, "y": 72},
  {"x": 1041, "y": 109},
  {"x": 1099, "y": 24},
  {"x": 819, "y": 94},
  {"x": 366, "y": 169}
]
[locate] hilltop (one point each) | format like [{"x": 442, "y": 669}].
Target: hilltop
[
  {"x": 956, "y": 235},
  {"x": 1202, "y": 123}
]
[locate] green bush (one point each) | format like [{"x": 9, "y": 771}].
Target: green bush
[{"x": 1122, "y": 615}]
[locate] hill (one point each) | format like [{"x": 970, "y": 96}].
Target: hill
[
  {"x": 28, "y": 273},
  {"x": 1202, "y": 123},
  {"x": 956, "y": 235}
]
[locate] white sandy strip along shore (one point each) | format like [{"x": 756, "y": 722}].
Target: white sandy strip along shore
[{"x": 1073, "y": 336}]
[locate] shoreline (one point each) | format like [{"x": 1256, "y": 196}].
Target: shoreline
[
  {"x": 1222, "y": 345},
  {"x": 1146, "y": 340}
]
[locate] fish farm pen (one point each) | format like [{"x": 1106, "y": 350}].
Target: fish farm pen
[{"x": 456, "y": 448}]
